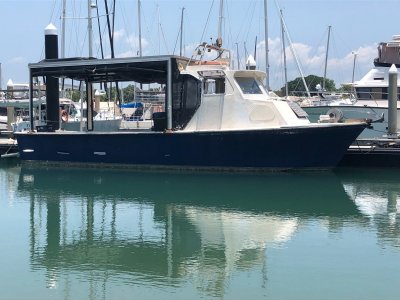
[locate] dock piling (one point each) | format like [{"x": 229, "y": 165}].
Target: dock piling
[{"x": 392, "y": 103}]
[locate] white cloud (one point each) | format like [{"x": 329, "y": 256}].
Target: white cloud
[
  {"x": 312, "y": 61},
  {"x": 129, "y": 53},
  {"x": 133, "y": 42},
  {"x": 119, "y": 35}
]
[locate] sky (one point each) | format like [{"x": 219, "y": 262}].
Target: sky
[{"x": 357, "y": 27}]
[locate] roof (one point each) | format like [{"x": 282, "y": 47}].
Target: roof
[{"x": 148, "y": 69}]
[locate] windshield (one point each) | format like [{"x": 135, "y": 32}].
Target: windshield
[{"x": 249, "y": 85}]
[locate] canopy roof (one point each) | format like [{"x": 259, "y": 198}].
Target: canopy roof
[{"x": 150, "y": 69}]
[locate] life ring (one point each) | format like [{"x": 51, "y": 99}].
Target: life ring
[{"x": 64, "y": 116}]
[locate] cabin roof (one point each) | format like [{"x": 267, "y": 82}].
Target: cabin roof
[{"x": 149, "y": 69}]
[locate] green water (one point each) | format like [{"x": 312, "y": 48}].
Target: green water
[{"x": 119, "y": 234}]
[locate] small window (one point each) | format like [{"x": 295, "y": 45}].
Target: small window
[
  {"x": 249, "y": 85},
  {"x": 214, "y": 86}
]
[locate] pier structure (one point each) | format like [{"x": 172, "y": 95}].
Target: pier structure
[{"x": 379, "y": 152}]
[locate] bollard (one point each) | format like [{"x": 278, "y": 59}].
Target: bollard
[
  {"x": 392, "y": 102},
  {"x": 52, "y": 86}
]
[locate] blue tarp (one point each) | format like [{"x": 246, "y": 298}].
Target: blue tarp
[{"x": 132, "y": 105}]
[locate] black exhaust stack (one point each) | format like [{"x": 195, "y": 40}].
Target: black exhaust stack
[{"x": 52, "y": 85}]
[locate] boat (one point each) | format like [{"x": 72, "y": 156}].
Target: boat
[
  {"x": 138, "y": 114},
  {"x": 72, "y": 113},
  {"x": 214, "y": 118},
  {"x": 14, "y": 106},
  {"x": 370, "y": 95},
  {"x": 73, "y": 117}
]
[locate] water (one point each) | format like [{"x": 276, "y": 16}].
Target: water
[{"x": 118, "y": 234}]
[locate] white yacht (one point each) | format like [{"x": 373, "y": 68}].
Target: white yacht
[{"x": 371, "y": 94}]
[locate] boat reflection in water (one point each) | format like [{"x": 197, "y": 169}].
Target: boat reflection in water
[
  {"x": 206, "y": 234},
  {"x": 375, "y": 193},
  {"x": 165, "y": 228}
]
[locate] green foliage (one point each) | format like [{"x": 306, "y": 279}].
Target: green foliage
[
  {"x": 129, "y": 93},
  {"x": 76, "y": 95},
  {"x": 346, "y": 88},
  {"x": 296, "y": 86}
]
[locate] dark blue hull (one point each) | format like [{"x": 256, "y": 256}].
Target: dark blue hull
[{"x": 291, "y": 148}]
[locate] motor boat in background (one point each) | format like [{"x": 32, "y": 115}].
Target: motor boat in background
[{"x": 370, "y": 100}]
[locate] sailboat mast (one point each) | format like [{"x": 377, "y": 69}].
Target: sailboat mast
[
  {"x": 63, "y": 28},
  {"x": 284, "y": 57},
  {"x": 294, "y": 53},
  {"x": 326, "y": 57},
  {"x": 221, "y": 9},
  {"x": 255, "y": 50},
  {"x": 238, "y": 58},
  {"x": 90, "y": 28},
  {"x": 140, "y": 30},
  {"x": 180, "y": 51},
  {"x": 266, "y": 45}
]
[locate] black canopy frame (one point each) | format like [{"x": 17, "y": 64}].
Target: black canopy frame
[{"x": 145, "y": 70}]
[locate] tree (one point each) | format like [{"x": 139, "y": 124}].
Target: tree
[
  {"x": 296, "y": 86},
  {"x": 346, "y": 88},
  {"x": 129, "y": 93}
]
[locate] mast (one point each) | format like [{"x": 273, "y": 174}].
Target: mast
[
  {"x": 63, "y": 28},
  {"x": 98, "y": 27},
  {"x": 238, "y": 60},
  {"x": 110, "y": 35},
  {"x": 221, "y": 9},
  {"x": 326, "y": 57},
  {"x": 140, "y": 30},
  {"x": 159, "y": 29},
  {"x": 294, "y": 53},
  {"x": 180, "y": 51},
  {"x": 255, "y": 50},
  {"x": 90, "y": 28},
  {"x": 63, "y": 17},
  {"x": 266, "y": 45},
  {"x": 284, "y": 58}
]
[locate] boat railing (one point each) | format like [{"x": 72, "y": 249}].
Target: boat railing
[
  {"x": 322, "y": 98},
  {"x": 201, "y": 54},
  {"x": 19, "y": 93},
  {"x": 144, "y": 112},
  {"x": 374, "y": 95}
]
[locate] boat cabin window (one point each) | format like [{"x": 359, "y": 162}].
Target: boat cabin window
[
  {"x": 213, "y": 81},
  {"x": 374, "y": 93},
  {"x": 249, "y": 85},
  {"x": 214, "y": 86}
]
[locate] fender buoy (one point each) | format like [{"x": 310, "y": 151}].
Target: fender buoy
[{"x": 64, "y": 116}]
